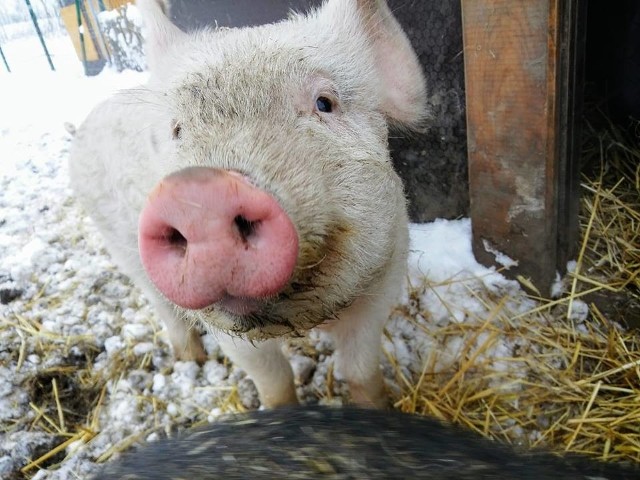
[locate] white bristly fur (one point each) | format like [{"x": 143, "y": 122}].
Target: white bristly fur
[{"x": 246, "y": 100}]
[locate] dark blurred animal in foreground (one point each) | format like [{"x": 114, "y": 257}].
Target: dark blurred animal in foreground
[{"x": 345, "y": 443}]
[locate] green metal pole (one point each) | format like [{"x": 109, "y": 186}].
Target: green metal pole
[
  {"x": 4, "y": 60},
  {"x": 82, "y": 45},
  {"x": 35, "y": 24}
]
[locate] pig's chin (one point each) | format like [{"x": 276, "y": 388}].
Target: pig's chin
[
  {"x": 239, "y": 306},
  {"x": 255, "y": 319}
]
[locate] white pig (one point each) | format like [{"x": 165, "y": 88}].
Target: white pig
[{"x": 248, "y": 187}]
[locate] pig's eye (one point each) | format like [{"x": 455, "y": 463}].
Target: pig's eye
[
  {"x": 177, "y": 130},
  {"x": 324, "y": 105}
]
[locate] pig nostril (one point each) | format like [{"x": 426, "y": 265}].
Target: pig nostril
[
  {"x": 245, "y": 227},
  {"x": 175, "y": 239}
]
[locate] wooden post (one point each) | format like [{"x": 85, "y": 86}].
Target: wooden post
[{"x": 522, "y": 64}]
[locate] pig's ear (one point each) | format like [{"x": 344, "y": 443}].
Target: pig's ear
[
  {"x": 161, "y": 33},
  {"x": 404, "y": 89}
]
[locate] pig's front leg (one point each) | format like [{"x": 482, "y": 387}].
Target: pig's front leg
[
  {"x": 357, "y": 335},
  {"x": 267, "y": 366},
  {"x": 185, "y": 339}
]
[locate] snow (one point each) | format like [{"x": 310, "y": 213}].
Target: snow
[
  {"x": 64, "y": 283},
  {"x": 504, "y": 260}
]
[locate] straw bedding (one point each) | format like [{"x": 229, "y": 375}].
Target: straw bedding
[
  {"x": 529, "y": 371},
  {"x": 570, "y": 382}
]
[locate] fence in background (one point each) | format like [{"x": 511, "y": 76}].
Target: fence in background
[{"x": 102, "y": 31}]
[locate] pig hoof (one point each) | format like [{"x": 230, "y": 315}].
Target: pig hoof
[
  {"x": 365, "y": 398},
  {"x": 192, "y": 352},
  {"x": 199, "y": 357},
  {"x": 288, "y": 399}
]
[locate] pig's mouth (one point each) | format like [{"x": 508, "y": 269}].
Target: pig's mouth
[
  {"x": 239, "y": 306},
  {"x": 260, "y": 318}
]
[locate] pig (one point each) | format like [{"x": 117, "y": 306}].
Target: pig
[
  {"x": 346, "y": 443},
  {"x": 247, "y": 189}
]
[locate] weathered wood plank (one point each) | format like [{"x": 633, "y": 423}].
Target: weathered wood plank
[{"x": 516, "y": 72}]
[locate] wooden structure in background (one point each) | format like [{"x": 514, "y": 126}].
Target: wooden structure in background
[
  {"x": 522, "y": 73},
  {"x": 68, "y": 15},
  {"x": 94, "y": 46}
]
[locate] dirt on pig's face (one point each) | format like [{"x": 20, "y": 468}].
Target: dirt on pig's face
[{"x": 309, "y": 132}]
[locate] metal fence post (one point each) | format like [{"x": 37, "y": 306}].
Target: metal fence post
[
  {"x": 4, "y": 60},
  {"x": 82, "y": 45},
  {"x": 35, "y": 24}
]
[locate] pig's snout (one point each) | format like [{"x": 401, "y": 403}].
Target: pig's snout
[{"x": 209, "y": 236}]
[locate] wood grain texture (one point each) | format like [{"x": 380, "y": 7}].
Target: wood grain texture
[{"x": 514, "y": 56}]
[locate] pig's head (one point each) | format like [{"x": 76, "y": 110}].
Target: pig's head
[{"x": 273, "y": 203}]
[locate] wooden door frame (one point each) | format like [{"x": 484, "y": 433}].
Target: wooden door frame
[{"x": 523, "y": 77}]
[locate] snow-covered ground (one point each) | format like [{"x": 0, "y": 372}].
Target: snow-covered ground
[{"x": 58, "y": 284}]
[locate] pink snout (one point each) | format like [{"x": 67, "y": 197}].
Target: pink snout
[{"x": 209, "y": 236}]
